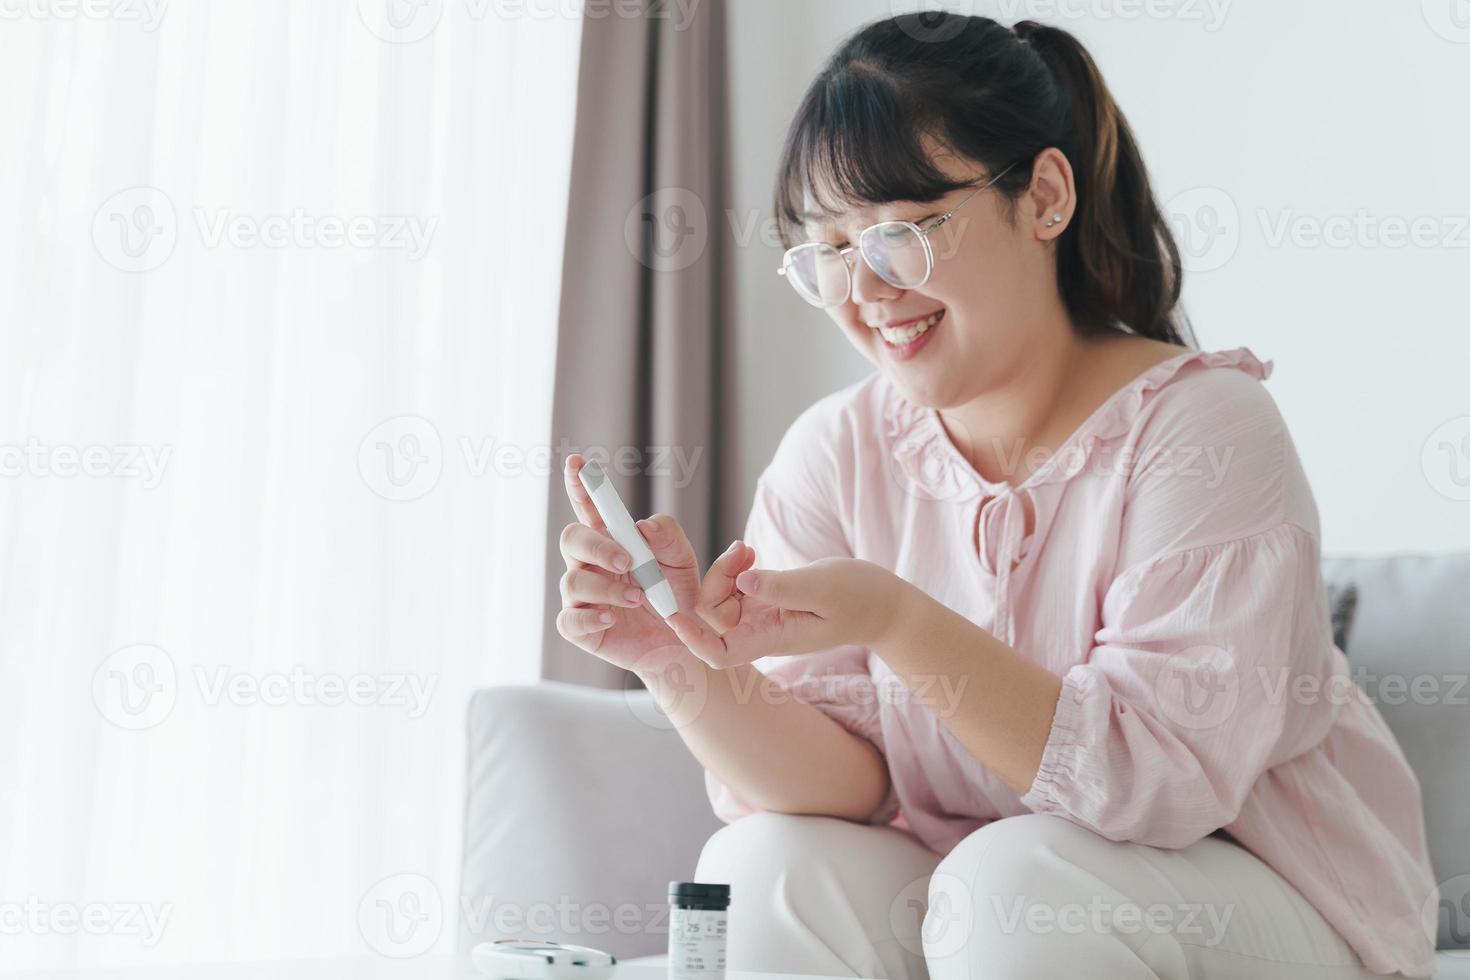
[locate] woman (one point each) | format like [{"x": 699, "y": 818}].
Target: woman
[{"x": 1039, "y": 642}]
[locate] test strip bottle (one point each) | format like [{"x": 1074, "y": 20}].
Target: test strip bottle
[{"x": 698, "y": 924}]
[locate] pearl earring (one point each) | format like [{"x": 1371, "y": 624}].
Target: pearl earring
[{"x": 1054, "y": 220}]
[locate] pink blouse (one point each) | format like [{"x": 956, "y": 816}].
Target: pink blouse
[{"x": 1172, "y": 580}]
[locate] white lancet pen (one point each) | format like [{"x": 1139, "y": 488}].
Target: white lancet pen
[{"x": 646, "y": 570}]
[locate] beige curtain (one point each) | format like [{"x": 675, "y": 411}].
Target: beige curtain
[{"x": 641, "y": 331}]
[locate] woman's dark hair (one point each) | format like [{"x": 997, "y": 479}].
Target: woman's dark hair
[{"x": 998, "y": 96}]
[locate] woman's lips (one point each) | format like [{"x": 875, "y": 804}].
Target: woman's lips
[{"x": 908, "y": 347}]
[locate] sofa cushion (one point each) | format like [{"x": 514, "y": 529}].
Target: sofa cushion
[{"x": 1411, "y": 655}]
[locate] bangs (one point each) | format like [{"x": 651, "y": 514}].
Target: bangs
[{"x": 855, "y": 141}]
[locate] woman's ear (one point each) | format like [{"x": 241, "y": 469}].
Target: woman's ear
[{"x": 1051, "y": 199}]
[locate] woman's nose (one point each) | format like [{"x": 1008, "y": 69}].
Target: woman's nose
[{"x": 867, "y": 285}]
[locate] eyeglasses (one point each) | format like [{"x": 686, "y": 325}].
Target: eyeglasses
[{"x": 898, "y": 251}]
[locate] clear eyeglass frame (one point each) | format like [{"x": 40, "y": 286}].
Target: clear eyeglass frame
[{"x": 868, "y": 249}]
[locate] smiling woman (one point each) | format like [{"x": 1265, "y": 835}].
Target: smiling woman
[{"x": 998, "y": 507}]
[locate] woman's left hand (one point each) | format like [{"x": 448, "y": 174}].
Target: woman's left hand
[{"x": 828, "y": 603}]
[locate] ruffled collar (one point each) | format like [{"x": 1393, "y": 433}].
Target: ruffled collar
[{"x": 930, "y": 466}]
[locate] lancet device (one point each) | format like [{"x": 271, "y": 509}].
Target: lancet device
[{"x": 646, "y": 571}]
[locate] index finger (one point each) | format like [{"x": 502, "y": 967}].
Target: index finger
[{"x": 582, "y": 504}]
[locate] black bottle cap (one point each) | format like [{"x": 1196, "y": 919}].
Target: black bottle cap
[{"x": 699, "y": 894}]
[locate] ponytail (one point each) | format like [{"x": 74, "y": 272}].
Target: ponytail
[
  {"x": 998, "y": 96},
  {"x": 1118, "y": 262}
]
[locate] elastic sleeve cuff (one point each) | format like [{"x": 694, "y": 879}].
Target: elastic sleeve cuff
[{"x": 1060, "y": 775}]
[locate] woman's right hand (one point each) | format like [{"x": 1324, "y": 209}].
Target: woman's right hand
[{"x": 595, "y": 585}]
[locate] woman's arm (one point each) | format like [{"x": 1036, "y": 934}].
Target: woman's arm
[
  {"x": 773, "y": 750},
  {"x": 1005, "y": 702}
]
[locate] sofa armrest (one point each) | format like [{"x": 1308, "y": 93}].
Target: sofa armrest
[{"x": 581, "y": 805}]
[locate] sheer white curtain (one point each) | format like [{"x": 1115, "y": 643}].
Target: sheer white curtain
[{"x": 278, "y": 310}]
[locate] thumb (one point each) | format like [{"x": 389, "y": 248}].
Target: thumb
[{"x": 804, "y": 588}]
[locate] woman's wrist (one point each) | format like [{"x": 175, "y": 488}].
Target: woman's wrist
[{"x": 903, "y": 622}]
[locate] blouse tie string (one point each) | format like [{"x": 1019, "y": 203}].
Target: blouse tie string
[{"x": 1002, "y": 530}]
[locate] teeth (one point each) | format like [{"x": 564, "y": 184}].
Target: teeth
[{"x": 903, "y": 335}]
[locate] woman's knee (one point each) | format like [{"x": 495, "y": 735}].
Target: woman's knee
[
  {"x": 989, "y": 896},
  {"x": 762, "y": 841}
]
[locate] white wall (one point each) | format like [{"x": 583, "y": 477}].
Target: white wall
[{"x": 1347, "y": 117}]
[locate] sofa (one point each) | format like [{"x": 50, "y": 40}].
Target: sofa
[{"x": 582, "y": 804}]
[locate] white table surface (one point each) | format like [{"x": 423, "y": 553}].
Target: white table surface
[{"x": 352, "y": 968}]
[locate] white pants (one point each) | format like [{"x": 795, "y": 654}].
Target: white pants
[{"x": 1026, "y": 896}]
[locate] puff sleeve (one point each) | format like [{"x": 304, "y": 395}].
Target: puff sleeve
[{"x": 1183, "y": 701}]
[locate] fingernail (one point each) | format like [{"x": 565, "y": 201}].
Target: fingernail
[
  {"x": 633, "y": 595},
  {"x": 747, "y": 581},
  {"x": 606, "y": 617},
  {"x": 621, "y": 563}
]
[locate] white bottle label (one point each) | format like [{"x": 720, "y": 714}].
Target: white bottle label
[{"x": 697, "y": 943}]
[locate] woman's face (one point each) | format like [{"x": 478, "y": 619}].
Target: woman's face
[{"x": 993, "y": 282}]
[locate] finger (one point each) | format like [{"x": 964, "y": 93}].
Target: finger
[
  {"x": 582, "y": 504},
  {"x": 668, "y": 542},
  {"x": 583, "y": 547},
  {"x": 719, "y": 602},
  {"x": 795, "y": 633},
  {"x": 701, "y": 641},
  {"x": 807, "y": 588},
  {"x": 582, "y": 622},
  {"x": 591, "y": 586}
]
